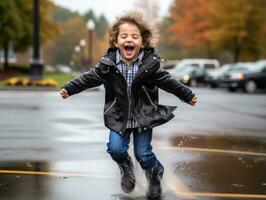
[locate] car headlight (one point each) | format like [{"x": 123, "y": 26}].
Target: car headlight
[
  {"x": 186, "y": 77},
  {"x": 238, "y": 76}
]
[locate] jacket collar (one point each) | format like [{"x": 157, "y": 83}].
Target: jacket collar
[{"x": 110, "y": 56}]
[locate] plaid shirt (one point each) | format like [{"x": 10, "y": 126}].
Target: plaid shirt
[{"x": 129, "y": 72}]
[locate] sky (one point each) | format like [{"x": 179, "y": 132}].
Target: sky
[{"x": 110, "y": 8}]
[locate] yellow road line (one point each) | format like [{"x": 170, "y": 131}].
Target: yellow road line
[
  {"x": 46, "y": 173},
  {"x": 179, "y": 191},
  {"x": 224, "y": 195},
  {"x": 246, "y": 153},
  {"x": 177, "y": 186}
]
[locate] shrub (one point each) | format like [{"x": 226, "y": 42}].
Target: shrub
[{"x": 19, "y": 81}]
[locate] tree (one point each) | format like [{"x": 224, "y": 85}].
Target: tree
[
  {"x": 61, "y": 14},
  {"x": 11, "y": 26},
  {"x": 69, "y": 38},
  {"x": 101, "y": 26},
  {"x": 190, "y": 25},
  {"x": 16, "y": 19},
  {"x": 237, "y": 27},
  {"x": 232, "y": 31},
  {"x": 101, "y": 23}
]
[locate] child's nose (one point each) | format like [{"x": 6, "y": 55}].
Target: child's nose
[{"x": 129, "y": 39}]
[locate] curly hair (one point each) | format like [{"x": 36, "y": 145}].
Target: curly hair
[{"x": 148, "y": 31}]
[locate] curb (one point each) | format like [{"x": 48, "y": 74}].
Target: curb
[
  {"x": 34, "y": 88},
  {"x": 28, "y": 88}
]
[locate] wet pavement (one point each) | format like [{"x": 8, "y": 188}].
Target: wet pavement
[{"x": 53, "y": 149}]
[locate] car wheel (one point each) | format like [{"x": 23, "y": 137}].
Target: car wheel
[
  {"x": 250, "y": 87},
  {"x": 231, "y": 89},
  {"x": 214, "y": 85}
]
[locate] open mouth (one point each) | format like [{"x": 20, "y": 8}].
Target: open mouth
[{"x": 129, "y": 48}]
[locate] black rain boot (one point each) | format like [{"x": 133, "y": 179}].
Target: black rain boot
[
  {"x": 127, "y": 175},
  {"x": 154, "y": 177}
]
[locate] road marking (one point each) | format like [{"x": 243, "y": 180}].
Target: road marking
[
  {"x": 246, "y": 153},
  {"x": 224, "y": 195},
  {"x": 61, "y": 174},
  {"x": 176, "y": 186}
]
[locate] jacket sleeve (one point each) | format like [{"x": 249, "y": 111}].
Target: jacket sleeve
[
  {"x": 85, "y": 81},
  {"x": 165, "y": 81}
]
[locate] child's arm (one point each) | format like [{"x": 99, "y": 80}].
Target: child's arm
[
  {"x": 85, "y": 81},
  {"x": 165, "y": 81}
]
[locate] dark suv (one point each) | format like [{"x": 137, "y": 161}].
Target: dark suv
[{"x": 248, "y": 77}]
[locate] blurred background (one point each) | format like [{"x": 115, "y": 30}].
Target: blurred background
[{"x": 70, "y": 36}]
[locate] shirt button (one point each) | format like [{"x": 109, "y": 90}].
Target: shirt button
[
  {"x": 154, "y": 58},
  {"x": 144, "y": 129},
  {"x": 146, "y": 70},
  {"x": 117, "y": 71}
]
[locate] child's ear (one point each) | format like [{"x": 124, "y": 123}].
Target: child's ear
[{"x": 116, "y": 45}]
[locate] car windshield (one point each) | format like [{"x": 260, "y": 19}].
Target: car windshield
[
  {"x": 257, "y": 66},
  {"x": 240, "y": 67},
  {"x": 186, "y": 69}
]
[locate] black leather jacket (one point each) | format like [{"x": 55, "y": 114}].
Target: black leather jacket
[{"x": 141, "y": 98}]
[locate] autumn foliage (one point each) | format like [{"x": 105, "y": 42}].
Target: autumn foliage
[{"x": 217, "y": 28}]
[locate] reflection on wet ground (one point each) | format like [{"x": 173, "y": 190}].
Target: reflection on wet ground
[
  {"x": 191, "y": 175},
  {"x": 219, "y": 173},
  {"x": 223, "y": 173},
  {"x": 220, "y": 142}
]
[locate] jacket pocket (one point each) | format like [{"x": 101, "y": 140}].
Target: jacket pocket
[
  {"x": 149, "y": 98},
  {"x": 107, "y": 109}
]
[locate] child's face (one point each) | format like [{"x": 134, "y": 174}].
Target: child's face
[{"x": 129, "y": 41}]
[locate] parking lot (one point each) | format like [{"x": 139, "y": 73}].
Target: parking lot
[{"x": 56, "y": 149}]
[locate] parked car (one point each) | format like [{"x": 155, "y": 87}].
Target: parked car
[
  {"x": 201, "y": 67},
  {"x": 248, "y": 76},
  {"x": 213, "y": 78},
  {"x": 168, "y": 64},
  {"x": 186, "y": 75}
]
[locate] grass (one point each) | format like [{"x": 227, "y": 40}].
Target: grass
[{"x": 60, "y": 78}]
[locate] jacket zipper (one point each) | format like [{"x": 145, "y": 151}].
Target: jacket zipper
[
  {"x": 149, "y": 97},
  {"x": 129, "y": 90},
  {"x": 130, "y": 106},
  {"x": 110, "y": 106}
]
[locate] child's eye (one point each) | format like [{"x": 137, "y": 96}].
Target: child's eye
[
  {"x": 123, "y": 36},
  {"x": 135, "y": 36}
]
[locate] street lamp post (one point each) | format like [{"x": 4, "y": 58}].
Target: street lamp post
[
  {"x": 82, "y": 44},
  {"x": 90, "y": 26},
  {"x": 36, "y": 68}
]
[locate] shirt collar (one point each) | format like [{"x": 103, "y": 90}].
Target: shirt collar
[{"x": 119, "y": 58}]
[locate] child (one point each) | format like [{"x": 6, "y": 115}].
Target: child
[{"x": 130, "y": 72}]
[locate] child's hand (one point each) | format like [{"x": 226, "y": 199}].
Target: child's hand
[
  {"x": 64, "y": 94},
  {"x": 193, "y": 101}
]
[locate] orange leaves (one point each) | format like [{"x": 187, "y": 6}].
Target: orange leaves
[
  {"x": 190, "y": 22},
  {"x": 217, "y": 26}
]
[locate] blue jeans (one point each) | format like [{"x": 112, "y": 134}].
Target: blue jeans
[{"x": 118, "y": 145}]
